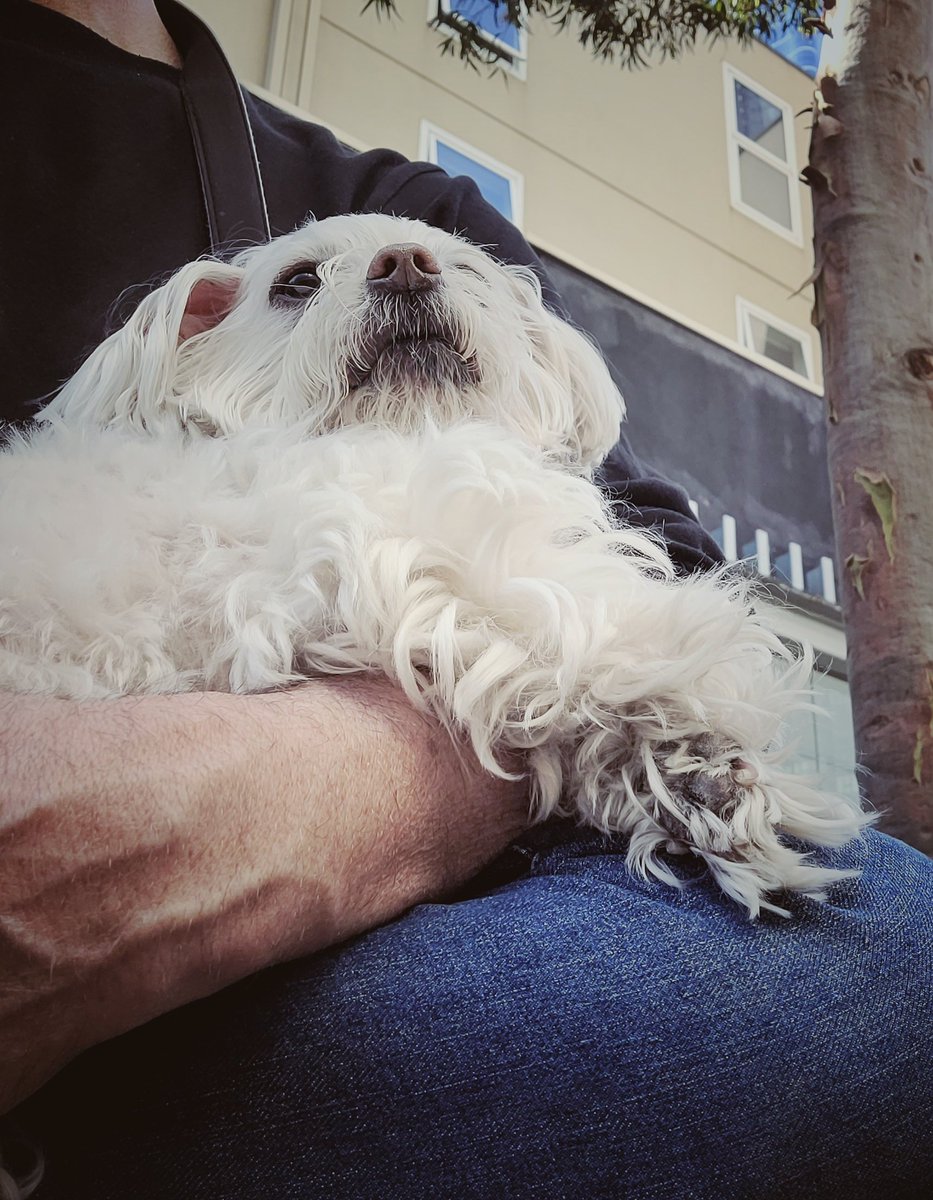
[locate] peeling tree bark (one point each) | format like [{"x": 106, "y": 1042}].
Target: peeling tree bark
[{"x": 871, "y": 173}]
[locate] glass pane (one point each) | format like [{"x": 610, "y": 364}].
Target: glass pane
[
  {"x": 489, "y": 17},
  {"x": 797, "y": 48},
  {"x": 764, "y": 187},
  {"x": 801, "y": 734},
  {"x": 826, "y": 749},
  {"x": 760, "y": 120},
  {"x": 835, "y": 734},
  {"x": 780, "y": 347},
  {"x": 496, "y": 189}
]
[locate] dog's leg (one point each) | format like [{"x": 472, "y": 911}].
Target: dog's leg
[
  {"x": 666, "y": 728},
  {"x": 688, "y": 764},
  {"x": 498, "y": 596},
  {"x": 698, "y": 765}
]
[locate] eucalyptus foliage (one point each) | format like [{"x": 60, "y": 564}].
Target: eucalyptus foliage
[{"x": 632, "y": 32}]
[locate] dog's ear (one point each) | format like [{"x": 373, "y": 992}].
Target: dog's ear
[
  {"x": 597, "y": 406},
  {"x": 128, "y": 380},
  {"x": 568, "y": 388},
  {"x": 208, "y": 303}
]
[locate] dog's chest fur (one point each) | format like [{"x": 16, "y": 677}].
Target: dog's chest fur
[{"x": 158, "y": 565}]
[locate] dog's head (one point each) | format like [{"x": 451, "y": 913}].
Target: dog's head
[{"x": 348, "y": 320}]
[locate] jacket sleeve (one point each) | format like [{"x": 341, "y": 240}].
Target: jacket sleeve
[{"x": 638, "y": 495}]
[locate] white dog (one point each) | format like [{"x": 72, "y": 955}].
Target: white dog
[{"x": 367, "y": 447}]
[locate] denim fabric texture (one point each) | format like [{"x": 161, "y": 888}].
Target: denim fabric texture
[{"x": 561, "y": 1031}]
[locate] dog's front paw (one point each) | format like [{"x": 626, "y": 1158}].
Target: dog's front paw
[
  {"x": 731, "y": 808},
  {"x": 728, "y": 806}
]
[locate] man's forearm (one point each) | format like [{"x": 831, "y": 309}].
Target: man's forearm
[{"x": 153, "y": 850}]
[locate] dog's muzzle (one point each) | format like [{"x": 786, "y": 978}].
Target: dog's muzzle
[{"x": 411, "y": 338}]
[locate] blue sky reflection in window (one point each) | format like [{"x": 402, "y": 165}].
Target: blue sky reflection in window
[
  {"x": 488, "y": 16},
  {"x": 496, "y": 189},
  {"x": 797, "y": 48},
  {"x": 760, "y": 120}
]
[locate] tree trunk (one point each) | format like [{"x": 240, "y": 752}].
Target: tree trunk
[{"x": 871, "y": 172}]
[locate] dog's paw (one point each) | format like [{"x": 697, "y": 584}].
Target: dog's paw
[{"x": 731, "y": 809}]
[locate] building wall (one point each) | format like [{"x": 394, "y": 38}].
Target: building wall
[
  {"x": 738, "y": 438},
  {"x": 243, "y": 28},
  {"x": 625, "y": 172}
]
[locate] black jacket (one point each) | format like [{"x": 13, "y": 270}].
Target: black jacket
[{"x": 103, "y": 189}]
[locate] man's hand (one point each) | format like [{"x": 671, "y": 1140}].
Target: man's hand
[{"x": 155, "y": 849}]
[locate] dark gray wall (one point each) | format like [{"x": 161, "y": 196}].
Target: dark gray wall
[{"x": 738, "y": 437}]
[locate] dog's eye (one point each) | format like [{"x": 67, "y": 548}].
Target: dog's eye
[
  {"x": 302, "y": 281},
  {"x": 296, "y": 286},
  {"x": 468, "y": 269}
]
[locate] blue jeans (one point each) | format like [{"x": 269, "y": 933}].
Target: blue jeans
[{"x": 564, "y": 1031}]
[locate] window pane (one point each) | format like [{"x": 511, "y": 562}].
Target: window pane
[
  {"x": 780, "y": 347},
  {"x": 764, "y": 188},
  {"x": 801, "y": 734},
  {"x": 489, "y": 17},
  {"x": 826, "y": 749},
  {"x": 835, "y": 735},
  {"x": 834, "y": 731},
  {"x": 760, "y": 120},
  {"x": 496, "y": 189}
]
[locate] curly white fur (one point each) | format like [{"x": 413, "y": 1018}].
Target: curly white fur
[{"x": 245, "y": 486}]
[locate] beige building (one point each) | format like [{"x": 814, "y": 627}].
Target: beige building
[{"x": 675, "y": 188}]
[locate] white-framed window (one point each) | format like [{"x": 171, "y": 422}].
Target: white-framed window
[
  {"x": 774, "y": 340},
  {"x": 762, "y": 156},
  {"x": 508, "y": 44},
  {"x": 501, "y": 187}
]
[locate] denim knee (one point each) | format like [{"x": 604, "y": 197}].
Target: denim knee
[{"x": 571, "y": 1029}]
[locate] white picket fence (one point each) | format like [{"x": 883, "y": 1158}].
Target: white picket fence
[{"x": 788, "y": 566}]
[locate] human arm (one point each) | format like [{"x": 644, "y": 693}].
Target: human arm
[{"x": 155, "y": 849}]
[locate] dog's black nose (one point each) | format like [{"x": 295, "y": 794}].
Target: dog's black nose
[{"x": 404, "y": 267}]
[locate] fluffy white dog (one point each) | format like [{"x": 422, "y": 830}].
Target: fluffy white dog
[{"x": 367, "y": 447}]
